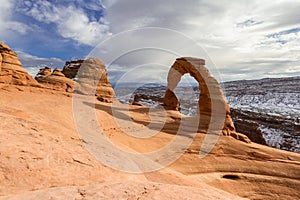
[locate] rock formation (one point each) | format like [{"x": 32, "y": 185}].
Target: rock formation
[
  {"x": 11, "y": 70},
  {"x": 42, "y": 155},
  {"x": 92, "y": 78},
  {"x": 71, "y": 68},
  {"x": 251, "y": 130},
  {"x": 55, "y": 80},
  {"x": 57, "y": 72},
  {"x": 273, "y": 104},
  {"x": 211, "y": 99},
  {"x": 46, "y": 71}
]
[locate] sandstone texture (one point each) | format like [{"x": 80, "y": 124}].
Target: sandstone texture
[
  {"x": 93, "y": 80},
  {"x": 71, "y": 68},
  {"x": 11, "y": 70},
  {"x": 55, "y": 80},
  {"x": 83, "y": 76},
  {"x": 43, "y": 157},
  {"x": 212, "y": 102}
]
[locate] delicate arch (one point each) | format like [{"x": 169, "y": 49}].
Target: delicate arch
[{"x": 210, "y": 90}]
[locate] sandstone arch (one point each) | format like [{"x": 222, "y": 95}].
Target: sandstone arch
[{"x": 210, "y": 93}]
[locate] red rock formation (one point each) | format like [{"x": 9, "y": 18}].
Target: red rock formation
[
  {"x": 92, "y": 78},
  {"x": 57, "y": 72},
  {"x": 71, "y": 68},
  {"x": 46, "y": 71},
  {"x": 212, "y": 102},
  {"x": 55, "y": 80},
  {"x": 11, "y": 70}
]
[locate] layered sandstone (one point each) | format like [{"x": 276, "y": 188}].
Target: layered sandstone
[
  {"x": 11, "y": 70},
  {"x": 42, "y": 156},
  {"x": 55, "y": 80},
  {"x": 93, "y": 79},
  {"x": 212, "y": 105},
  {"x": 71, "y": 68}
]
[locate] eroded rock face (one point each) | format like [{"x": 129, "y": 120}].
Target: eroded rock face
[
  {"x": 11, "y": 70},
  {"x": 92, "y": 78},
  {"x": 212, "y": 102},
  {"x": 46, "y": 71},
  {"x": 71, "y": 68},
  {"x": 251, "y": 130},
  {"x": 55, "y": 80},
  {"x": 57, "y": 72}
]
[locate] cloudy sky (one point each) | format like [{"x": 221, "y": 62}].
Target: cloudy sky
[{"x": 244, "y": 39}]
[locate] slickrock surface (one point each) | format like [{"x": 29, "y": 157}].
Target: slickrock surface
[
  {"x": 41, "y": 152},
  {"x": 42, "y": 155}
]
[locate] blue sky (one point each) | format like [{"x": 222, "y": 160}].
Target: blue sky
[{"x": 245, "y": 39}]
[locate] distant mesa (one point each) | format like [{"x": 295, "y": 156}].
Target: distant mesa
[
  {"x": 212, "y": 102},
  {"x": 11, "y": 70}
]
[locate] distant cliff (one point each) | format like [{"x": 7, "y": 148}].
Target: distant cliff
[{"x": 273, "y": 104}]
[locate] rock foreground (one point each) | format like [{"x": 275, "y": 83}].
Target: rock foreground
[{"x": 43, "y": 157}]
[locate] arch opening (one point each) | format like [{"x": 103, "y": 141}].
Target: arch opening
[{"x": 187, "y": 92}]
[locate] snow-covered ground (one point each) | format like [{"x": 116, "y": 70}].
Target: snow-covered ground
[
  {"x": 278, "y": 99},
  {"x": 276, "y": 104},
  {"x": 280, "y": 139}
]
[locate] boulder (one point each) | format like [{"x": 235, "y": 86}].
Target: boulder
[
  {"x": 92, "y": 78},
  {"x": 213, "y": 106},
  {"x": 55, "y": 80},
  {"x": 11, "y": 70}
]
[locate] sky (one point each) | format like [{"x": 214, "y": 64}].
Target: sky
[{"x": 242, "y": 39}]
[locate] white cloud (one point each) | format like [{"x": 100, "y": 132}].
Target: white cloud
[
  {"x": 7, "y": 24},
  {"x": 71, "y": 22},
  {"x": 246, "y": 39},
  {"x": 33, "y": 63},
  {"x": 231, "y": 31}
]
